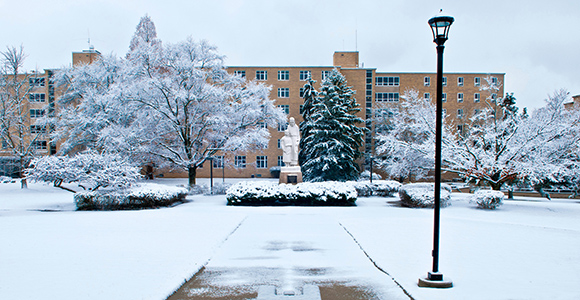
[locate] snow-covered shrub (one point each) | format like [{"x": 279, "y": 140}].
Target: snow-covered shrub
[
  {"x": 220, "y": 189},
  {"x": 89, "y": 169},
  {"x": 488, "y": 199},
  {"x": 382, "y": 188},
  {"x": 198, "y": 189},
  {"x": 302, "y": 194},
  {"x": 366, "y": 175},
  {"x": 275, "y": 171},
  {"x": 422, "y": 195},
  {"x": 145, "y": 196},
  {"x": 6, "y": 179}
]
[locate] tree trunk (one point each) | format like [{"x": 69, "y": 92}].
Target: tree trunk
[
  {"x": 496, "y": 186},
  {"x": 192, "y": 173},
  {"x": 23, "y": 183}
]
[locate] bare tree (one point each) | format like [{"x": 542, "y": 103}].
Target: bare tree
[{"x": 16, "y": 133}]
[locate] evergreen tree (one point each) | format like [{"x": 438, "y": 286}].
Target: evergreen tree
[
  {"x": 331, "y": 139},
  {"x": 310, "y": 96}
]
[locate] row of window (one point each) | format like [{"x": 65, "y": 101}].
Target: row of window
[
  {"x": 476, "y": 97},
  {"x": 460, "y": 81},
  {"x": 36, "y": 145},
  {"x": 283, "y": 75},
  {"x": 240, "y": 162}
]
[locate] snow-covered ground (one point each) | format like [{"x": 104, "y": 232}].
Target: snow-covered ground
[{"x": 524, "y": 250}]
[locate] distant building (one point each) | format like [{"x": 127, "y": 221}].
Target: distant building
[{"x": 462, "y": 98}]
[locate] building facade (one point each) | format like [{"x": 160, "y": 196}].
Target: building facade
[{"x": 462, "y": 98}]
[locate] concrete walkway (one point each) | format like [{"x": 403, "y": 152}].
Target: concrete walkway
[{"x": 290, "y": 256}]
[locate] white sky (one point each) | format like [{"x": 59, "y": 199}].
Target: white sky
[{"x": 536, "y": 43}]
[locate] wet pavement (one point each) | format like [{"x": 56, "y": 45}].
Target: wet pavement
[{"x": 289, "y": 256}]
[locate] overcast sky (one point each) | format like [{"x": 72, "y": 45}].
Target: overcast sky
[{"x": 536, "y": 43}]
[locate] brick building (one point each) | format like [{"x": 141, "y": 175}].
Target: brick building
[{"x": 462, "y": 97}]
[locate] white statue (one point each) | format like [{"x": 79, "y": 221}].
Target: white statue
[{"x": 290, "y": 143}]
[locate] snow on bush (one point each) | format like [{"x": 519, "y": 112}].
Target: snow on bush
[
  {"x": 382, "y": 188},
  {"x": 89, "y": 169},
  {"x": 423, "y": 195},
  {"x": 259, "y": 193},
  {"x": 488, "y": 199},
  {"x": 366, "y": 175},
  {"x": 6, "y": 179},
  {"x": 148, "y": 195}
]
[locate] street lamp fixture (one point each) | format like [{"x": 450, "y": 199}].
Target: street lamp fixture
[{"x": 440, "y": 28}]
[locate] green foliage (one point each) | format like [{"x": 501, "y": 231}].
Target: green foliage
[{"x": 331, "y": 138}]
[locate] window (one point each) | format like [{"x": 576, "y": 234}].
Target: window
[
  {"x": 427, "y": 96},
  {"x": 280, "y": 161},
  {"x": 476, "y": 81},
  {"x": 282, "y": 127},
  {"x": 460, "y": 113},
  {"x": 285, "y": 108},
  {"x": 218, "y": 161},
  {"x": 459, "y": 81},
  {"x": 283, "y": 75},
  {"x": 37, "y": 129},
  {"x": 283, "y": 92},
  {"x": 261, "y": 75},
  {"x": 261, "y": 162},
  {"x": 36, "y": 113},
  {"x": 460, "y": 129},
  {"x": 427, "y": 81},
  {"x": 304, "y": 75},
  {"x": 387, "y": 81},
  {"x": 444, "y": 113},
  {"x": 240, "y": 73},
  {"x": 279, "y": 145},
  {"x": 444, "y": 81},
  {"x": 494, "y": 80},
  {"x": 39, "y": 145},
  {"x": 493, "y": 96},
  {"x": 444, "y": 97},
  {"x": 301, "y": 109},
  {"x": 387, "y": 97},
  {"x": 301, "y": 92},
  {"x": 33, "y": 82},
  {"x": 262, "y": 125},
  {"x": 240, "y": 161},
  {"x": 325, "y": 74},
  {"x": 459, "y": 97},
  {"x": 37, "y": 97},
  {"x": 476, "y": 97}
]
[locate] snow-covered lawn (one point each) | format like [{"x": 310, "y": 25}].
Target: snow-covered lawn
[{"x": 522, "y": 250}]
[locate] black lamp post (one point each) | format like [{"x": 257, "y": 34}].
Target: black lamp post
[{"x": 440, "y": 28}]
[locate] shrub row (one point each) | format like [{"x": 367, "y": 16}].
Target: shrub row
[
  {"x": 302, "y": 194},
  {"x": 146, "y": 196},
  {"x": 382, "y": 188}
]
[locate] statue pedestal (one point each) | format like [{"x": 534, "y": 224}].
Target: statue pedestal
[{"x": 291, "y": 175}]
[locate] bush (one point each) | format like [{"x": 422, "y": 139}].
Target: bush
[
  {"x": 302, "y": 194},
  {"x": 488, "y": 199},
  {"x": 275, "y": 171},
  {"x": 146, "y": 196},
  {"x": 6, "y": 179},
  {"x": 366, "y": 175},
  {"x": 219, "y": 189},
  {"x": 423, "y": 195},
  {"x": 198, "y": 190},
  {"x": 382, "y": 188}
]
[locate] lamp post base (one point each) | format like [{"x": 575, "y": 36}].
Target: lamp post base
[{"x": 435, "y": 280}]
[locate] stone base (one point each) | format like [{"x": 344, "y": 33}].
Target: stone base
[
  {"x": 291, "y": 175},
  {"x": 436, "y": 280}
]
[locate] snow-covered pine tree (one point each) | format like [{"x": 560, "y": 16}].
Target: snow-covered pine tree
[
  {"x": 332, "y": 141},
  {"x": 310, "y": 97}
]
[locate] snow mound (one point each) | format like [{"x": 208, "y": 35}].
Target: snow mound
[{"x": 148, "y": 195}]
